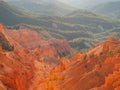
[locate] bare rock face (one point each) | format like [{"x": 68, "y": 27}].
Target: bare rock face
[
  {"x": 88, "y": 71},
  {"x": 17, "y": 66},
  {"x": 110, "y": 45},
  {"x": 49, "y": 51},
  {"x": 37, "y": 64},
  {"x": 30, "y": 60},
  {"x": 4, "y": 43},
  {"x": 2, "y": 87}
]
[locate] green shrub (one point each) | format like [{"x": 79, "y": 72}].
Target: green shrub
[
  {"x": 85, "y": 56},
  {"x": 99, "y": 62},
  {"x": 7, "y": 47},
  {"x": 92, "y": 56}
]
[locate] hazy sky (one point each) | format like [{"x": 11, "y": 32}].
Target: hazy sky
[{"x": 75, "y": 3}]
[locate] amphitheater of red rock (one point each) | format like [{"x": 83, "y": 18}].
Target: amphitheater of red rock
[{"x": 37, "y": 64}]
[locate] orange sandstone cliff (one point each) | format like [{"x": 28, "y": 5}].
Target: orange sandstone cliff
[
  {"x": 97, "y": 69},
  {"x": 27, "y": 62},
  {"x": 25, "y": 58},
  {"x": 49, "y": 51}
]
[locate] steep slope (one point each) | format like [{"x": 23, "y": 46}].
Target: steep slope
[
  {"x": 21, "y": 67},
  {"x": 4, "y": 43},
  {"x": 50, "y": 50},
  {"x": 26, "y": 67},
  {"x": 14, "y": 71},
  {"x": 97, "y": 69},
  {"x": 94, "y": 66}
]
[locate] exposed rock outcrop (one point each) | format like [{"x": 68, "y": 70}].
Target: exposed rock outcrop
[
  {"x": 49, "y": 51},
  {"x": 31, "y": 58},
  {"x": 92, "y": 70}
]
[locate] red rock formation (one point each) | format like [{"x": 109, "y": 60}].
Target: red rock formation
[
  {"x": 28, "y": 66},
  {"x": 15, "y": 74},
  {"x": 96, "y": 72},
  {"x": 31, "y": 59},
  {"x": 63, "y": 66},
  {"x": 50, "y": 50},
  {"x": 101, "y": 71}
]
